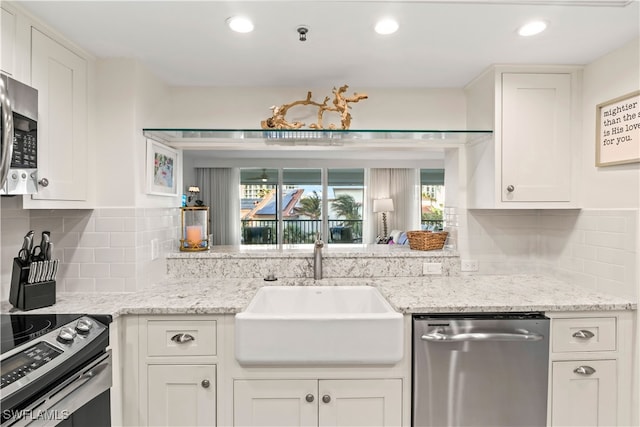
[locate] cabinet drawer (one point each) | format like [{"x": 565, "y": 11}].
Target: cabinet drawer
[
  {"x": 584, "y": 334},
  {"x": 181, "y": 338}
]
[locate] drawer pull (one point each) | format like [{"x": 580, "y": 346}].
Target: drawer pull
[
  {"x": 584, "y": 370},
  {"x": 583, "y": 334},
  {"x": 182, "y": 338}
]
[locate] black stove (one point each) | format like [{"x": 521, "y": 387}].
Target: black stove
[
  {"x": 17, "y": 329},
  {"x": 47, "y": 361}
]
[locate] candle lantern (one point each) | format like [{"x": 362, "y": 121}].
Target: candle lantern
[{"x": 195, "y": 228}]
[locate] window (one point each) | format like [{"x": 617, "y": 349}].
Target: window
[
  {"x": 345, "y": 189},
  {"x": 289, "y": 205},
  {"x": 432, "y": 199}
]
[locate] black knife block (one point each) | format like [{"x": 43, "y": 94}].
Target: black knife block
[{"x": 29, "y": 296}]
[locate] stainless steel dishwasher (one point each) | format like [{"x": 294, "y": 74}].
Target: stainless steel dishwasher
[{"x": 480, "y": 370}]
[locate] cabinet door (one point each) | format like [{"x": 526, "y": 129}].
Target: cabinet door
[
  {"x": 61, "y": 79},
  {"x": 536, "y": 137},
  {"x": 584, "y": 393},
  {"x": 181, "y": 395},
  {"x": 8, "y": 48},
  {"x": 360, "y": 402},
  {"x": 274, "y": 403}
]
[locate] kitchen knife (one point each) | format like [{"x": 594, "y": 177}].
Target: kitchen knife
[
  {"x": 49, "y": 251},
  {"x": 32, "y": 272},
  {"x": 25, "y": 252},
  {"x": 52, "y": 264},
  {"x": 55, "y": 269},
  {"x": 37, "y": 266},
  {"x": 44, "y": 244},
  {"x": 47, "y": 270}
]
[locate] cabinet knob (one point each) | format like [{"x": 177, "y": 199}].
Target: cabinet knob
[
  {"x": 44, "y": 182},
  {"x": 584, "y": 370},
  {"x": 510, "y": 188},
  {"x": 309, "y": 398},
  {"x": 205, "y": 383},
  {"x": 326, "y": 398},
  {"x": 182, "y": 338},
  {"x": 583, "y": 334}
]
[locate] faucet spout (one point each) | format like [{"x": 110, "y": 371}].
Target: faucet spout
[{"x": 317, "y": 258}]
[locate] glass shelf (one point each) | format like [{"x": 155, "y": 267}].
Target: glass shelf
[{"x": 256, "y": 138}]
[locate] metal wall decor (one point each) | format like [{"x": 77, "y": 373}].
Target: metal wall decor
[{"x": 339, "y": 105}]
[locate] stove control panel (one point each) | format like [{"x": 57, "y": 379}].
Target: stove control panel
[
  {"x": 46, "y": 353},
  {"x": 20, "y": 364}
]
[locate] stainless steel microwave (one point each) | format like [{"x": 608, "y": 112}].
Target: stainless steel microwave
[{"x": 19, "y": 143}]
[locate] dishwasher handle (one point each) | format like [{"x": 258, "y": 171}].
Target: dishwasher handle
[{"x": 518, "y": 335}]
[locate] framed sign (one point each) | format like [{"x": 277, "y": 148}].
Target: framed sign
[
  {"x": 162, "y": 173},
  {"x": 618, "y": 130}
]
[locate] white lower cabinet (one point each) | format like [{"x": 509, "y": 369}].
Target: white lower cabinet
[
  {"x": 181, "y": 395},
  {"x": 178, "y": 371},
  {"x": 584, "y": 393},
  {"x": 590, "y": 369},
  {"x": 366, "y": 402}
]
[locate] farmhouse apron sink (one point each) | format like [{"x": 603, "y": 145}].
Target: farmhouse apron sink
[{"x": 318, "y": 325}]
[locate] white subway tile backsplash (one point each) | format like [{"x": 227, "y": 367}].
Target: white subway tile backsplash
[
  {"x": 94, "y": 240},
  {"x": 53, "y": 224},
  {"x": 79, "y": 285},
  {"x": 604, "y": 239},
  {"x": 94, "y": 270},
  {"x": 111, "y": 284},
  {"x": 613, "y": 224},
  {"x": 123, "y": 240},
  {"x": 78, "y": 255},
  {"x": 109, "y": 224},
  {"x": 106, "y": 255},
  {"x": 588, "y": 253},
  {"x": 102, "y": 249},
  {"x": 78, "y": 224},
  {"x": 118, "y": 212},
  {"x": 122, "y": 270},
  {"x": 67, "y": 240},
  {"x": 611, "y": 256},
  {"x": 68, "y": 270},
  {"x": 595, "y": 248}
]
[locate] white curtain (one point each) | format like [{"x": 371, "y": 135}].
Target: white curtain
[
  {"x": 220, "y": 190},
  {"x": 403, "y": 187}
]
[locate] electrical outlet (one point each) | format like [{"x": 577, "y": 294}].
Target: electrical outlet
[
  {"x": 155, "y": 249},
  {"x": 469, "y": 265},
  {"x": 432, "y": 268}
]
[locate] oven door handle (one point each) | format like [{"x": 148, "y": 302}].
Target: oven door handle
[
  {"x": 72, "y": 394},
  {"x": 518, "y": 335},
  {"x": 7, "y": 133}
]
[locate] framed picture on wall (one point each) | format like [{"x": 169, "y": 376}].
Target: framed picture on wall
[
  {"x": 618, "y": 130},
  {"x": 162, "y": 169}
]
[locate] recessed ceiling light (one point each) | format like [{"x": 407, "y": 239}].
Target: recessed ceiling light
[
  {"x": 240, "y": 24},
  {"x": 386, "y": 26},
  {"x": 532, "y": 28}
]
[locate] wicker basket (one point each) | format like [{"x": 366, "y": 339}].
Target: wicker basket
[{"x": 426, "y": 240}]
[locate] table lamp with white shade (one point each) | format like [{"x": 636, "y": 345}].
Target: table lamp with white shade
[{"x": 383, "y": 206}]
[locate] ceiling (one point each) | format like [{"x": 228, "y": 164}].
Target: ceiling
[{"x": 439, "y": 43}]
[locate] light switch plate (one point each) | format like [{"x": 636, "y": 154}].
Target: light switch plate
[{"x": 431, "y": 268}]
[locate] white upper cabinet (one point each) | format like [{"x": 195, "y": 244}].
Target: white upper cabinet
[
  {"x": 60, "y": 76},
  {"x": 9, "y": 26},
  {"x": 532, "y": 161}
]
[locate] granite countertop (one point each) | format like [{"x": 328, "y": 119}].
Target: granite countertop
[
  {"x": 474, "y": 293},
  {"x": 306, "y": 251}
]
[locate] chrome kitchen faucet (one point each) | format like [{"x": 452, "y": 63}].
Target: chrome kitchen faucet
[{"x": 317, "y": 257}]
